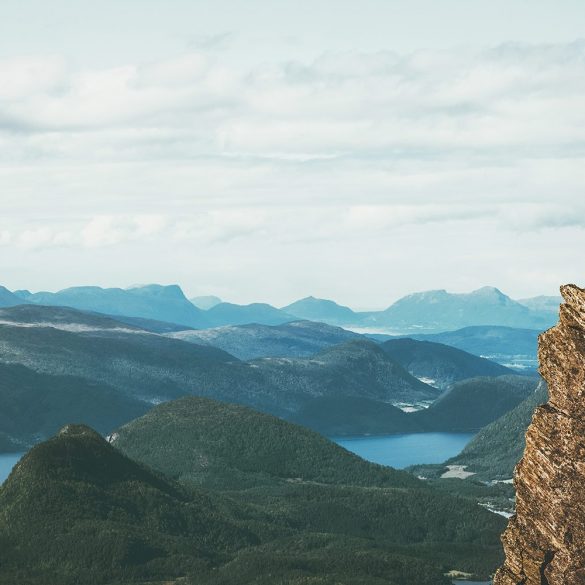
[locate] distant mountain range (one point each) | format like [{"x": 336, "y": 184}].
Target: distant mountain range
[
  {"x": 425, "y": 312},
  {"x": 160, "y": 303},
  {"x": 442, "y": 311}
]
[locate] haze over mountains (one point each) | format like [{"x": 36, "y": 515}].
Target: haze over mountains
[{"x": 430, "y": 311}]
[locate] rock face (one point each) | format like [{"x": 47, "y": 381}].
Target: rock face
[{"x": 545, "y": 541}]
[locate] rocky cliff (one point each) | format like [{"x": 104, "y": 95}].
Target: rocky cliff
[{"x": 545, "y": 541}]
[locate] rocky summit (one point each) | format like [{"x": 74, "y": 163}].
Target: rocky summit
[{"x": 544, "y": 540}]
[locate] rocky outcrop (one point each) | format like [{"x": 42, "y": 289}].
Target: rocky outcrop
[{"x": 545, "y": 541}]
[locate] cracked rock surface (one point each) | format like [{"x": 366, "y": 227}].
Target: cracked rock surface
[{"x": 545, "y": 541}]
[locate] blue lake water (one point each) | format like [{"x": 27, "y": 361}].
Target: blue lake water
[
  {"x": 7, "y": 462},
  {"x": 400, "y": 451}
]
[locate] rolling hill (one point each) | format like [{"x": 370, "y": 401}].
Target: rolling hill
[
  {"x": 301, "y": 477},
  {"x": 63, "y": 345},
  {"x": 351, "y": 416},
  {"x": 472, "y": 404},
  {"x": 75, "y": 509},
  {"x": 295, "y": 339},
  {"x": 438, "y": 364},
  {"x": 506, "y": 345},
  {"x": 35, "y": 405},
  {"x": 356, "y": 364},
  {"x": 215, "y": 443}
]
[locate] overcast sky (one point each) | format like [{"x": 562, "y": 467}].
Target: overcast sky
[{"x": 268, "y": 150}]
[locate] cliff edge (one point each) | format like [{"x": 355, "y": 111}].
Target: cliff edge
[{"x": 545, "y": 541}]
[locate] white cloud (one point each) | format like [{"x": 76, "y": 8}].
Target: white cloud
[{"x": 295, "y": 166}]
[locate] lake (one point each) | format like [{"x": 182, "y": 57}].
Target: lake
[
  {"x": 400, "y": 451},
  {"x": 7, "y": 462}
]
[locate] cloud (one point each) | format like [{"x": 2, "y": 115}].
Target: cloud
[
  {"x": 422, "y": 162},
  {"x": 509, "y": 97}
]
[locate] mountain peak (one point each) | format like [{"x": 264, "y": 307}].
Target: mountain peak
[
  {"x": 76, "y": 430},
  {"x": 488, "y": 291}
]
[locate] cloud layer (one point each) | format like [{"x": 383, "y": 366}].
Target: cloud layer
[{"x": 480, "y": 149}]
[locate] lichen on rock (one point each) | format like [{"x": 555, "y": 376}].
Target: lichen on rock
[{"x": 545, "y": 540}]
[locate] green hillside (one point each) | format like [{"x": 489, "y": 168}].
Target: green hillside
[
  {"x": 471, "y": 404},
  {"x": 350, "y": 415},
  {"x": 229, "y": 446},
  {"x": 36, "y": 405},
  {"x": 439, "y": 363},
  {"x": 495, "y": 450},
  {"x": 301, "y": 479},
  {"x": 76, "y": 510}
]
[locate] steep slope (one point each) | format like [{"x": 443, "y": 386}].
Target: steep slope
[
  {"x": 544, "y": 540},
  {"x": 322, "y": 310},
  {"x": 442, "y": 311},
  {"x": 161, "y": 303},
  {"x": 438, "y": 364},
  {"x": 246, "y": 342},
  {"x": 9, "y": 299},
  {"x": 472, "y": 404},
  {"x": 543, "y": 303},
  {"x": 494, "y": 452},
  {"x": 231, "y": 314}
]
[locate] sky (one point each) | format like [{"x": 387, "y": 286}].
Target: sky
[{"x": 269, "y": 150}]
